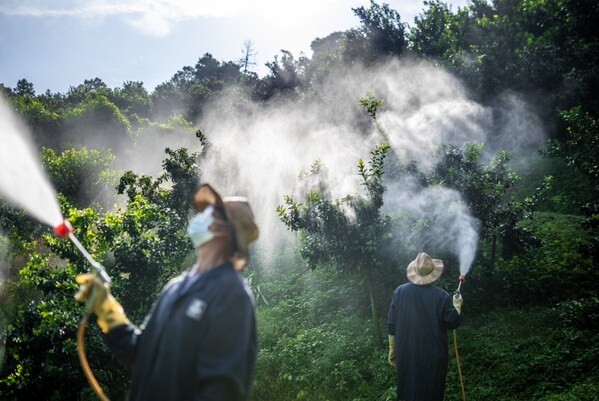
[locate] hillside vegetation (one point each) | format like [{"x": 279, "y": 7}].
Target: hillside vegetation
[{"x": 472, "y": 133}]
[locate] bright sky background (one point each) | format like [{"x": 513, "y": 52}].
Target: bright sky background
[{"x": 56, "y": 44}]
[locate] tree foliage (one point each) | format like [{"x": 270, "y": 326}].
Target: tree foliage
[
  {"x": 381, "y": 34},
  {"x": 347, "y": 233},
  {"x": 81, "y": 175}
]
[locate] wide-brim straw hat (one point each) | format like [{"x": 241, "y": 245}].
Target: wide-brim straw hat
[
  {"x": 424, "y": 270},
  {"x": 238, "y": 213}
]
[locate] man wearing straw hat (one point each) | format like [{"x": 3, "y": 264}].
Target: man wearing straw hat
[
  {"x": 199, "y": 340},
  {"x": 419, "y": 317}
]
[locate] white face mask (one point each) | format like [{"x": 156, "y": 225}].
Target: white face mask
[{"x": 198, "y": 228}]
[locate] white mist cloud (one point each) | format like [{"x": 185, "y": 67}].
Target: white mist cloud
[
  {"x": 23, "y": 183},
  {"x": 452, "y": 228},
  {"x": 262, "y": 152}
]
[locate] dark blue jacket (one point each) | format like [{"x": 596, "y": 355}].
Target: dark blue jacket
[
  {"x": 419, "y": 317},
  {"x": 197, "y": 343}
]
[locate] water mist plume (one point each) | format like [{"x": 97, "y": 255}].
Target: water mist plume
[
  {"x": 262, "y": 152},
  {"x": 23, "y": 182},
  {"x": 451, "y": 227}
]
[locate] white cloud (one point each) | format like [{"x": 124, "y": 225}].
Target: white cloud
[{"x": 156, "y": 17}]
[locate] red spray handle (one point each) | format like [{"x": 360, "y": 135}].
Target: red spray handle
[{"x": 63, "y": 229}]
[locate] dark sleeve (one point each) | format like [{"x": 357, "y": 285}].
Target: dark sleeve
[
  {"x": 451, "y": 317},
  {"x": 122, "y": 341},
  {"x": 391, "y": 315}
]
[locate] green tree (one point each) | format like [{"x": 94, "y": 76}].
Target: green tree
[
  {"x": 517, "y": 45},
  {"x": 284, "y": 79},
  {"x": 330, "y": 237},
  {"x": 381, "y": 35},
  {"x": 41, "y": 357},
  {"x": 581, "y": 147},
  {"x": 435, "y": 33},
  {"x": 24, "y": 88},
  {"x": 580, "y": 150},
  {"x": 83, "y": 176},
  {"x": 44, "y": 122},
  {"x": 486, "y": 190},
  {"x": 133, "y": 99},
  {"x": 98, "y": 123},
  {"x": 87, "y": 91},
  {"x": 191, "y": 88}
]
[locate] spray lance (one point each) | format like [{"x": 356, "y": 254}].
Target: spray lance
[
  {"x": 461, "y": 280},
  {"x": 65, "y": 230},
  {"x": 455, "y": 339}
]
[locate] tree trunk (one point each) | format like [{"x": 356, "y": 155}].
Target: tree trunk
[
  {"x": 375, "y": 313},
  {"x": 493, "y": 254}
]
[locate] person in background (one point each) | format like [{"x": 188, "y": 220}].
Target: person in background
[
  {"x": 199, "y": 340},
  {"x": 419, "y": 317}
]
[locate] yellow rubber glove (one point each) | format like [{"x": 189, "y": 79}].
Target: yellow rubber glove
[
  {"x": 391, "y": 357},
  {"x": 457, "y": 302},
  {"x": 100, "y": 301}
]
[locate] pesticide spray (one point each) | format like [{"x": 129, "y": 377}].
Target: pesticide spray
[
  {"x": 24, "y": 184},
  {"x": 453, "y": 229},
  {"x": 466, "y": 255}
]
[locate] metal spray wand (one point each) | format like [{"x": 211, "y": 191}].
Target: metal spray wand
[
  {"x": 66, "y": 230},
  {"x": 455, "y": 340}
]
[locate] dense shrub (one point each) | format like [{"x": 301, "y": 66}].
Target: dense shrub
[
  {"x": 530, "y": 355},
  {"x": 557, "y": 269}
]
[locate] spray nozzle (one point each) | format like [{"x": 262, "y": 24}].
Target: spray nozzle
[
  {"x": 63, "y": 229},
  {"x": 461, "y": 279}
]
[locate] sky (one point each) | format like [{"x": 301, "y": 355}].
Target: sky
[{"x": 56, "y": 44}]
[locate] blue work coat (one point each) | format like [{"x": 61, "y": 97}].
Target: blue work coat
[
  {"x": 197, "y": 343},
  {"x": 418, "y": 318}
]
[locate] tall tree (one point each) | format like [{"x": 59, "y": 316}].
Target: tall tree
[
  {"x": 24, "y": 88},
  {"x": 381, "y": 34},
  {"x": 485, "y": 189},
  {"x": 285, "y": 77},
  {"x": 435, "y": 33},
  {"x": 133, "y": 99},
  {"x": 247, "y": 60},
  {"x": 330, "y": 237}
]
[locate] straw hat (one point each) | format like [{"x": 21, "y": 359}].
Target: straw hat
[
  {"x": 238, "y": 213},
  {"x": 424, "y": 270}
]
